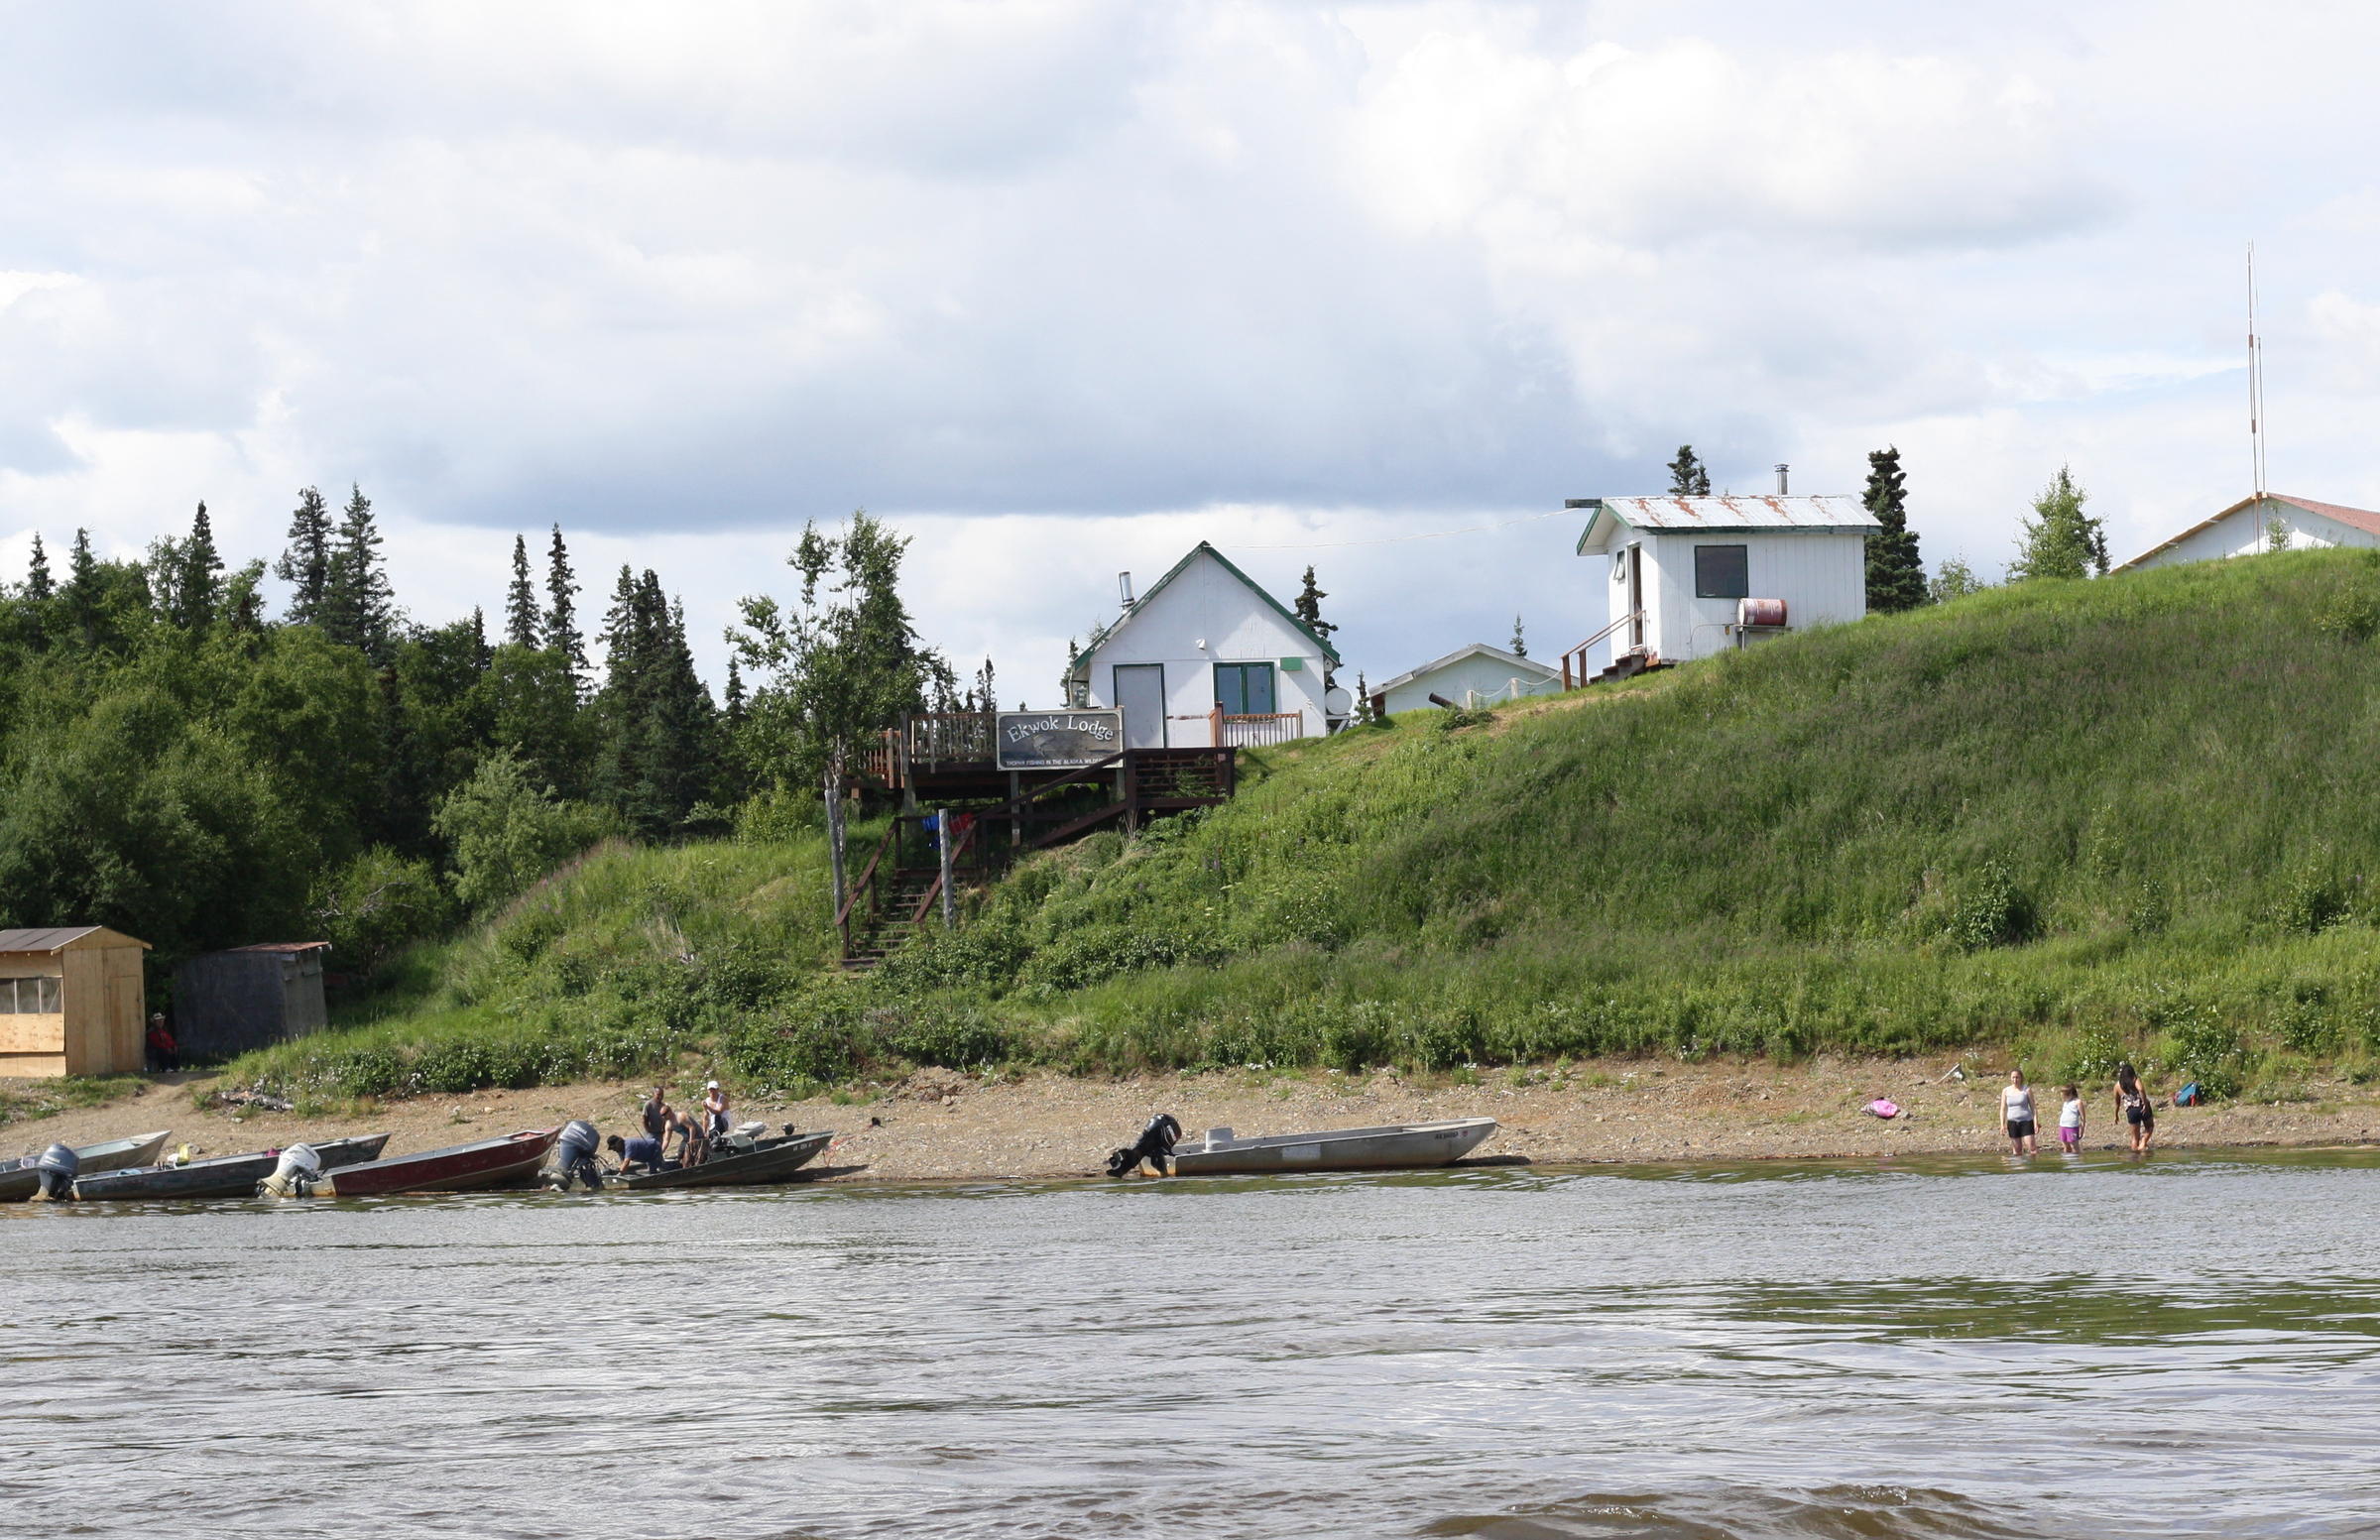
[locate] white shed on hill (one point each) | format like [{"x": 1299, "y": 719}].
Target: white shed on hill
[
  {"x": 1205, "y": 659},
  {"x": 1478, "y": 675},
  {"x": 2246, "y": 528},
  {"x": 1695, "y": 575}
]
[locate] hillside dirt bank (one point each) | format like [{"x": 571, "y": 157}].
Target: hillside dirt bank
[{"x": 941, "y": 1125}]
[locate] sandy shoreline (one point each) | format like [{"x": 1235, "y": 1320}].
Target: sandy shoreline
[{"x": 942, "y": 1126}]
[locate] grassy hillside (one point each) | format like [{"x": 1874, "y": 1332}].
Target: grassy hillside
[{"x": 2129, "y": 816}]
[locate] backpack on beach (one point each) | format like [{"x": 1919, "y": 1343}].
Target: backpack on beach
[{"x": 2190, "y": 1096}]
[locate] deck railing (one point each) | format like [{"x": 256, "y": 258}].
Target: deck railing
[
  {"x": 952, "y": 738},
  {"x": 1253, "y": 730}
]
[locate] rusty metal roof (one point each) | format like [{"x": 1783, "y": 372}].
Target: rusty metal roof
[
  {"x": 1821, "y": 515},
  {"x": 52, "y": 938}
]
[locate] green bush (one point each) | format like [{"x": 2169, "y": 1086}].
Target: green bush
[{"x": 2201, "y": 1046}]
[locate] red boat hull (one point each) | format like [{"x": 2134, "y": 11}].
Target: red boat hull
[{"x": 484, "y": 1166}]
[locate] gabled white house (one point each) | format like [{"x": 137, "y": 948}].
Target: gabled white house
[
  {"x": 1205, "y": 659},
  {"x": 1689, "y": 574},
  {"x": 1478, "y": 675},
  {"x": 2245, "y": 528}
]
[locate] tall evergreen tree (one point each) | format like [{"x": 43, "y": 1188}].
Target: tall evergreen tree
[
  {"x": 561, "y": 613},
  {"x": 1689, "y": 476},
  {"x": 2061, "y": 540},
  {"x": 1309, "y": 608},
  {"x": 1520, "y": 643},
  {"x": 521, "y": 624},
  {"x": 987, "y": 691},
  {"x": 359, "y": 610},
  {"x": 306, "y": 564},
  {"x": 198, "y": 582},
  {"x": 82, "y": 590},
  {"x": 732, "y": 705},
  {"x": 36, "y": 571},
  {"x": 1897, "y": 578}
]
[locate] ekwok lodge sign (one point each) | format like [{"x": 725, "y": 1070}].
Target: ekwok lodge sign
[{"x": 1057, "y": 740}]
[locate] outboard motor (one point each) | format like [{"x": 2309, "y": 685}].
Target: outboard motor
[
  {"x": 1155, "y": 1146},
  {"x": 574, "y": 1156},
  {"x": 295, "y": 1177},
  {"x": 56, "y": 1167}
]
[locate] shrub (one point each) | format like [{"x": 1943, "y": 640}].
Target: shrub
[
  {"x": 376, "y": 905},
  {"x": 2201, "y": 1046},
  {"x": 955, "y": 1038},
  {"x": 1991, "y": 910},
  {"x": 2307, "y": 1024},
  {"x": 507, "y": 832}
]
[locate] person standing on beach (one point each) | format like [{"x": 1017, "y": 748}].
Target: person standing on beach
[
  {"x": 2016, "y": 1112},
  {"x": 2069, "y": 1120},
  {"x": 2140, "y": 1114}
]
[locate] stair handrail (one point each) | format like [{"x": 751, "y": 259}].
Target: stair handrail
[
  {"x": 866, "y": 884},
  {"x": 925, "y": 901},
  {"x": 1580, "y": 652}
]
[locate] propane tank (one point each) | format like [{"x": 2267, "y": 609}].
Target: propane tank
[
  {"x": 56, "y": 1167},
  {"x": 1759, "y": 612},
  {"x": 295, "y": 1177}
]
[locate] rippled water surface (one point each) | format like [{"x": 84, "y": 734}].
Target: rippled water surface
[{"x": 1919, "y": 1349}]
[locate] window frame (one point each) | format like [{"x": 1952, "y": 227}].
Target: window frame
[
  {"x": 1705, "y": 590},
  {"x": 17, "y": 999},
  {"x": 1242, "y": 670}
]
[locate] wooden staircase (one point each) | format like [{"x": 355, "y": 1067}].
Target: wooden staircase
[{"x": 879, "y": 932}]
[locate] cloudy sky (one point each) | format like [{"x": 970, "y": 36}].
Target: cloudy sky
[{"x": 1062, "y": 288}]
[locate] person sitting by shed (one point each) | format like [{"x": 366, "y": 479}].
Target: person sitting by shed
[{"x": 163, "y": 1055}]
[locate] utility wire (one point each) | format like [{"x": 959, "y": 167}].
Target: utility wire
[{"x": 1399, "y": 540}]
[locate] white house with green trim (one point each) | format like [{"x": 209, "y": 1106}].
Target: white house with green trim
[{"x": 1205, "y": 657}]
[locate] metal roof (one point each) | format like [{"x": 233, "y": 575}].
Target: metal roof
[
  {"x": 2353, "y": 517},
  {"x": 280, "y": 946},
  {"x": 1514, "y": 659},
  {"x": 52, "y": 938},
  {"x": 1827, "y": 514},
  {"x": 1099, "y": 637}
]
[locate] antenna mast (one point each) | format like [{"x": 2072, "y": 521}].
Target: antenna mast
[{"x": 2255, "y": 384}]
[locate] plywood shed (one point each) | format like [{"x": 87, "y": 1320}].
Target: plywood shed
[
  {"x": 227, "y": 1003},
  {"x": 72, "y": 1002}
]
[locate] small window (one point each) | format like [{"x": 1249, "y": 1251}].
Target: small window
[
  {"x": 1722, "y": 572},
  {"x": 1244, "y": 689},
  {"x": 30, "y": 997}
]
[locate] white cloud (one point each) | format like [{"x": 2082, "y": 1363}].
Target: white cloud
[{"x": 1064, "y": 287}]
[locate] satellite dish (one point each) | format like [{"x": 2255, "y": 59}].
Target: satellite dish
[{"x": 1336, "y": 701}]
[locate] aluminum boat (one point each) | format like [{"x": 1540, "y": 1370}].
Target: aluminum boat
[
  {"x": 764, "y": 1162},
  {"x": 219, "y": 1176},
  {"x": 1220, "y": 1152},
  {"x": 19, "y": 1181}
]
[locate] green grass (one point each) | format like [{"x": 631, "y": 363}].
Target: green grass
[
  {"x": 2135, "y": 817},
  {"x": 48, "y": 1097}
]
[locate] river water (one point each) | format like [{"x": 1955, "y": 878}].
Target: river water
[{"x": 2188, "y": 1347}]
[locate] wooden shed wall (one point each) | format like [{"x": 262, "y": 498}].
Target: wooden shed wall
[{"x": 99, "y": 1030}]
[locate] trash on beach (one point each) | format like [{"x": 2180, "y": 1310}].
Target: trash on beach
[{"x": 1882, "y": 1108}]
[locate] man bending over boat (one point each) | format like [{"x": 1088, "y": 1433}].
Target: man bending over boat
[{"x": 644, "y": 1152}]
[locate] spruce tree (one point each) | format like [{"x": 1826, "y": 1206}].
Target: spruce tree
[
  {"x": 561, "y": 613},
  {"x": 359, "y": 609},
  {"x": 37, "y": 573},
  {"x": 1897, "y": 578},
  {"x": 306, "y": 564},
  {"x": 196, "y": 584},
  {"x": 2061, "y": 540},
  {"x": 1688, "y": 476},
  {"x": 82, "y": 590},
  {"x": 1520, "y": 644},
  {"x": 733, "y": 707},
  {"x": 987, "y": 694},
  {"x": 521, "y": 601},
  {"x": 1309, "y": 608}
]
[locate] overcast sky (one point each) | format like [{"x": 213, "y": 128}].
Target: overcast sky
[{"x": 1062, "y": 288}]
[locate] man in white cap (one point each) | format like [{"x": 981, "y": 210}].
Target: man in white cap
[{"x": 714, "y": 1110}]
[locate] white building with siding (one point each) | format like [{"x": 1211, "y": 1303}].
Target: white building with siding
[
  {"x": 2245, "y": 528},
  {"x": 1683, "y": 570},
  {"x": 1205, "y": 636},
  {"x": 1476, "y": 675}
]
